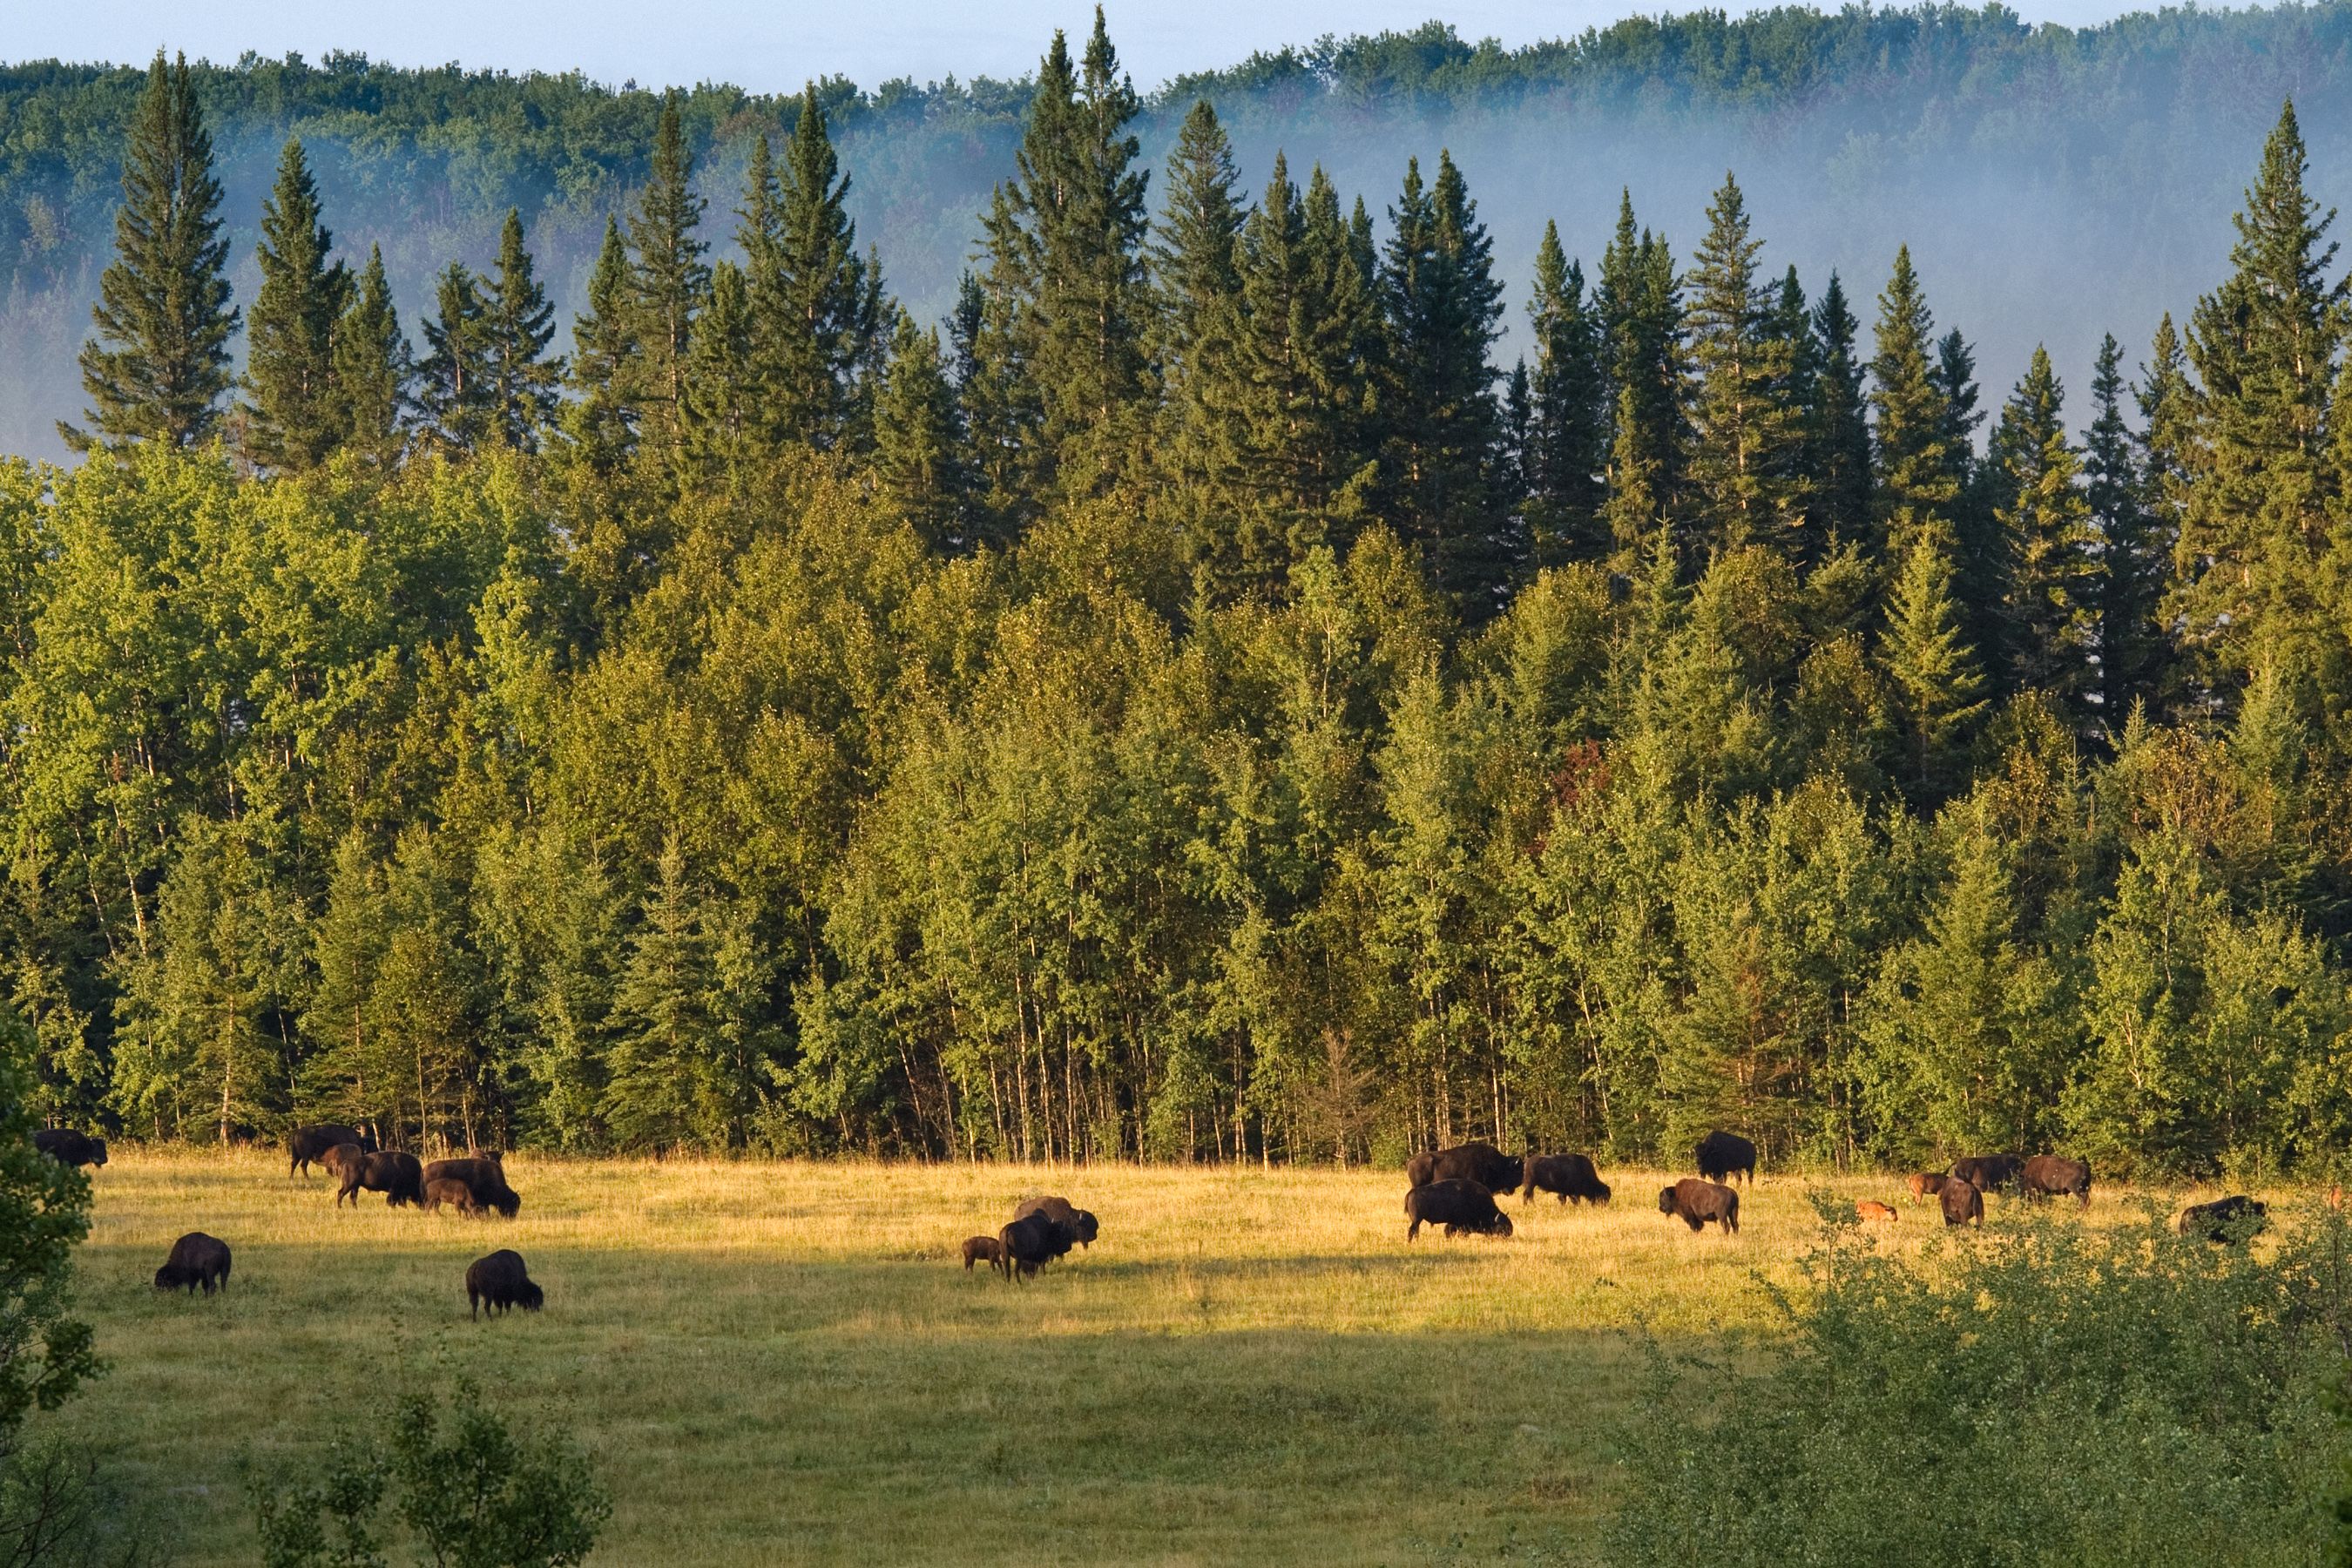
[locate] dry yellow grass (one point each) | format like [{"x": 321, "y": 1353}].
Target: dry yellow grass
[{"x": 786, "y": 1363}]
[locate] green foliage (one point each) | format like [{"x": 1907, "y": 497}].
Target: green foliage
[{"x": 289, "y": 369}]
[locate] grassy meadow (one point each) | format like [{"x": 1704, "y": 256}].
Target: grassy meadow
[{"x": 787, "y": 1364}]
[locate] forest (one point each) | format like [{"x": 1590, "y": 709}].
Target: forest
[{"x": 1198, "y": 703}]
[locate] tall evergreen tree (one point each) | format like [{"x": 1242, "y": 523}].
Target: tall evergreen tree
[
  {"x": 917, "y": 445},
  {"x": 373, "y": 370},
  {"x": 1745, "y": 432},
  {"x": 1194, "y": 269},
  {"x": 291, "y": 420},
  {"x": 2133, "y": 561},
  {"x": 668, "y": 281},
  {"x": 1840, "y": 463},
  {"x": 2168, "y": 411},
  {"x": 520, "y": 323},
  {"x": 1912, "y": 460},
  {"x": 1937, "y": 683},
  {"x": 454, "y": 382},
  {"x": 1642, "y": 328},
  {"x": 2049, "y": 588},
  {"x": 1003, "y": 410},
  {"x": 723, "y": 390},
  {"x": 163, "y": 303},
  {"x": 1567, "y": 425},
  {"x": 808, "y": 285},
  {"x": 603, "y": 417}
]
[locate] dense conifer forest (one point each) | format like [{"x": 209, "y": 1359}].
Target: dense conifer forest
[{"x": 1201, "y": 701}]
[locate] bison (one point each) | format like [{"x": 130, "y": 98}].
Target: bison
[
  {"x": 2047, "y": 1175},
  {"x": 68, "y": 1147},
  {"x": 1927, "y": 1185},
  {"x": 344, "y": 1161},
  {"x": 982, "y": 1249},
  {"x": 498, "y": 1284},
  {"x": 1569, "y": 1176},
  {"x": 1694, "y": 1202},
  {"x": 1987, "y": 1172},
  {"x": 1721, "y": 1155},
  {"x": 395, "y": 1173},
  {"x": 1032, "y": 1242},
  {"x": 1461, "y": 1207},
  {"x": 306, "y": 1144},
  {"x": 197, "y": 1260},
  {"x": 2225, "y": 1220},
  {"x": 451, "y": 1191},
  {"x": 1963, "y": 1203},
  {"x": 485, "y": 1175},
  {"x": 1080, "y": 1221},
  {"x": 1480, "y": 1162},
  {"x": 1883, "y": 1212}
]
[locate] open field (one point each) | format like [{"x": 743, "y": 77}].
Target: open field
[{"x": 785, "y": 1363}]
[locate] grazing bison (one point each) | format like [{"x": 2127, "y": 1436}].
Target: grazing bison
[
  {"x": 2224, "y": 1220},
  {"x": 344, "y": 1161},
  {"x": 306, "y": 1144},
  {"x": 1926, "y": 1184},
  {"x": 68, "y": 1147},
  {"x": 2047, "y": 1175},
  {"x": 197, "y": 1260},
  {"x": 1461, "y": 1207},
  {"x": 453, "y": 1192},
  {"x": 1032, "y": 1242},
  {"x": 982, "y": 1249},
  {"x": 485, "y": 1175},
  {"x": 1987, "y": 1172},
  {"x": 1883, "y": 1212},
  {"x": 395, "y": 1173},
  {"x": 1723, "y": 1154},
  {"x": 1963, "y": 1203},
  {"x": 1569, "y": 1176},
  {"x": 498, "y": 1284},
  {"x": 1080, "y": 1221},
  {"x": 1694, "y": 1202},
  {"x": 1480, "y": 1162}
]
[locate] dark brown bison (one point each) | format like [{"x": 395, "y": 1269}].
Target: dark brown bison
[
  {"x": 1480, "y": 1162},
  {"x": 1463, "y": 1207},
  {"x": 498, "y": 1284},
  {"x": 485, "y": 1175},
  {"x": 982, "y": 1249},
  {"x": 1926, "y": 1184},
  {"x": 197, "y": 1260},
  {"x": 395, "y": 1173},
  {"x": 1694, "y": 1202},
  {"x": 1032, "y": 1242},
  {"x": 1883, "y": 1214},
  {"x": 2224, "y": 1220},
  {"x": 306, "y": 1144},
  {"x": 2047, "y": 1175},
  {"x": 453, "y": 1192},
  {"x": 1569, "y": 1176},
  {"x": 1963, "y": 1203},
  {"x": 1080, "y": 1221},
  {"x": 344, "y": 1161},
  {"x": 70, "y": 1147},
  {"x": 1987, "y": 1173},
  {"x": 1722, "y": 1155}
]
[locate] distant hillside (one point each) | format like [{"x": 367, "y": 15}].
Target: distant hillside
[{"x": 2059, "y": 182}]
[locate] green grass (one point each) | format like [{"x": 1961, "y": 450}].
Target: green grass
[{"x": 786, "y": 1363}]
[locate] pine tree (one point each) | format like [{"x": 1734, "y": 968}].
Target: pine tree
[
  {"x": 2263, "y": 347},
  {"x": 1938, "y": 685},
  {"x": 1840, "y": 461},
  {"x": 1912, "y": 461},
  {"x": 163, "y": 301},
  {"x": 1194, "y": 275},
  {"x": 1979, "y": 561},
  {"x": 520, "y": 323},
  {"x": 917, "y": 445},
  {"x": 1746, "y": 430},
  {"x": 667, "y": 284},
  {"x": 2168, "y": 411},
  {"x": 372, "y": 367},
  {"x": 603, "y": 419},
  {"x": 1567, "y": 401},
  {"x": 454, "y": 382},
  {"x": 1002, "y": 402},
  {"x": 723, "y": 388},
  {"x": 1443, "y": 303},
  {"x": 2050, "y": 589},
  {"x": 2133, "y": 566},
  {"x": 667, "y": 1012},
  {"x": 1641, "y": 311},
  {"x": 808, "y": 285},
  {"x": 291, "y": 422}
]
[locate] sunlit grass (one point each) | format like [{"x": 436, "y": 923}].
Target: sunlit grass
[{"x": 789, "y": 1363}]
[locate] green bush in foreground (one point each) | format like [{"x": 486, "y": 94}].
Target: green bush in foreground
[{"x": 2036, "y": 1393}]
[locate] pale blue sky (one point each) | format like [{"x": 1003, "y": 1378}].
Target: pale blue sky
[{"x": 772, "y": 45}]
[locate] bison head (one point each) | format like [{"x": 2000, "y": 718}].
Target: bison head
[
  {"x": 1600, "y": 1193},
  {"x": 1502, "y": 1226},
  {"x": 173, "y": 1276},
  {"x": 97, "y": 1151},
  {"x": 1666, "y": 1201},
  {"x": 530, "y": 1298}
]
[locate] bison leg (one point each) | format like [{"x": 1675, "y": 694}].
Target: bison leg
[{"x": 1696, "y": 1223}]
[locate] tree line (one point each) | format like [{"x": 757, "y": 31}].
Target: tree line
[{"x": 1194, "y": 703}]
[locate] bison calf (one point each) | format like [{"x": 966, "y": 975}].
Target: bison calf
[
  {"x": 1883, "y": 1214},
  {"x": 485, "y": 1175},
  {"x": 1963, "y": 1203},
  {"x": 1461, "y": 1207},
  {"x": 982, "y": 1249},
  {"x": 68, "y": 1147},
  {"x": 2225, "y": 1220},
  {"x": 1721, "y": 1155},
  {"x": 197, "y": 1260},
  {"x": 1926, "y": 1184},
  {"x": 455, "y": 1193},
  {"x": 306, "y": 1144},
  {"x": 1696, "y": 1201},
  {"x": 498, "y": 1284},
  {"x": 1080, "y": 1221},
  {"x": 1569, "y": 1176}
]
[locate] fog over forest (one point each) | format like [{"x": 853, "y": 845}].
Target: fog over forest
[{"x": 2053, "y": 183}]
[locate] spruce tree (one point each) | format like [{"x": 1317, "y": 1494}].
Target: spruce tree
[
  {"x": 291, "y": 421},
  {"x": 1566, "y": 406},
  {"x": 522, "y": 324},
  {"x": 1443, "y": 303},
  {"x": 1002, "y": 402},
  {"x": 668, "y": 281},
  {"x": 603, "y": 419},
  {"x": 2050, "y": 568},
  {"x": 1938, "y": 685},
  {"x": 454, "y": 382},
  {"x": 723, "y": 389},
  {"x": 808, "y": 285},
  {"x": 159, "y": 364},
  {"x": 2168, "y": 412},
  {"x": 373, "y": 370},
  {"x": 1641, "y": 309},
  {"x": 1746, "y": 430},
  {"x": 1194, "y": 275},
  {"x": 2133, "y": 565},
  {"x": 1980, "y": 561},
  {"x": 1840, "y": 432},
  {"x": 1912, "y": 461},
  {"x": 917, "y": 445}
]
